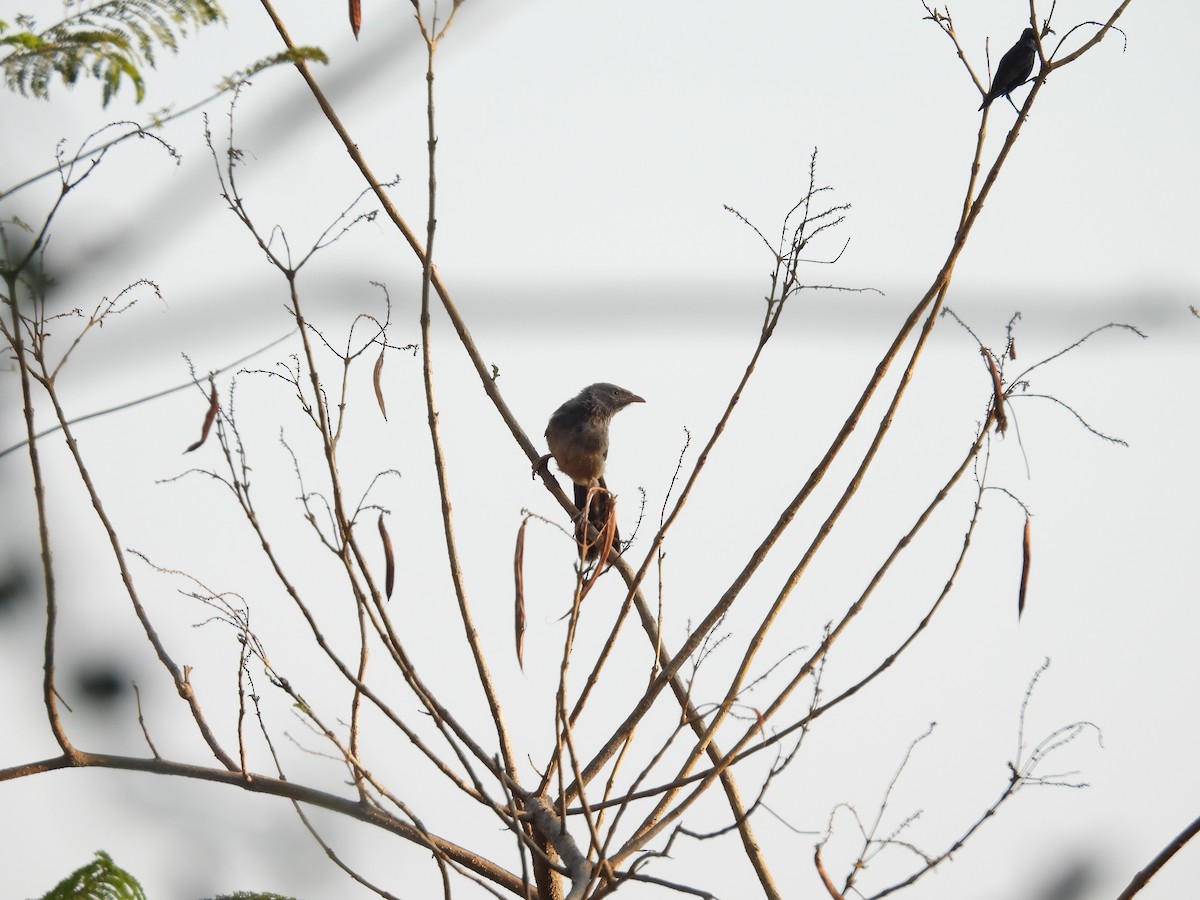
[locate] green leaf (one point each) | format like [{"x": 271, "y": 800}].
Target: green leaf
[
  {"x": 100, "y": 879},
  {"x": 110, "y": 41}
]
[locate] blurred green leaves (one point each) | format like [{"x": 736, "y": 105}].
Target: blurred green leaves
[
  {"x": 111, "y": 41},
  {"x": 101, "y": 879}
]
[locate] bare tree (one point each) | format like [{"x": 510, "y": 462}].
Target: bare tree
[{"x": 722, "y": 716}]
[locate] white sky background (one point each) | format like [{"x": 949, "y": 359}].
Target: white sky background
[{"x": 585, "y": 154}]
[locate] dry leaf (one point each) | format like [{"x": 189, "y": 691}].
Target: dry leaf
[
  {"x": 209, "y": 418},
  {"x": 355, "y": 16},
  {"x": 389, "y": 572}
]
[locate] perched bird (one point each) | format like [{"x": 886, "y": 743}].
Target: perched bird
[
  {"x": 578, "y": 440},
  {"x": 1014, "y": 68}
]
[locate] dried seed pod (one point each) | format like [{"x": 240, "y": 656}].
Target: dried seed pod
[
  {"x": 519, "y": 609},
  {"x": 1025, "y": 554},
  {"x": 389, "y": 561},
  {"x": 209, "y": 418}
]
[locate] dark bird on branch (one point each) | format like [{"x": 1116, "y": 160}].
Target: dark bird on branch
[
  {"x": 1014, "y": 68},
  {"x": 578, "y": 439}
]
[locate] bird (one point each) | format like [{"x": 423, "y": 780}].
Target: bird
[
  {"x": 1014, "y": 68},
  {"x": 577, "y": 435}
]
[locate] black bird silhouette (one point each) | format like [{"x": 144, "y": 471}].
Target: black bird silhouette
[{"x": 1014, "y": 68}]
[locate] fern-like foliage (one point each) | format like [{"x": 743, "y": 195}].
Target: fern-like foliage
[
  {"x": 101, "y": 879},
  {"x": 110, "y": 40},
  {"x": 283, "y": 57}
]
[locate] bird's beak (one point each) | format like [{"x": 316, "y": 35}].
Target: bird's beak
[{"x": 636, "y": 399}]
